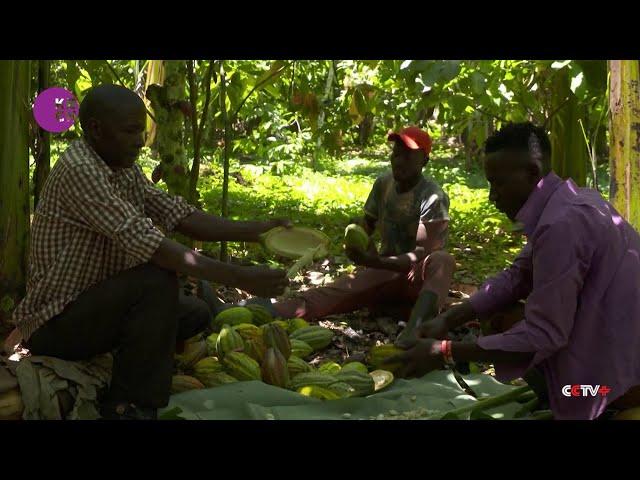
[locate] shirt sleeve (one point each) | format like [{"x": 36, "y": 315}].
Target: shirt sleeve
[
  {"x": 561, "y": 260},
  {"x": 434, "y": 207},
  {"x": 507, "y": 287},
  {"x": 91, "y": 200},
  {"x": 434, "y": 215},
  {"x": 164, "y": 209}
]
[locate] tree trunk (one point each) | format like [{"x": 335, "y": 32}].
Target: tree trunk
[
  {"x": 227, "y": 146},
  {"x": 169, "y": 110},
  {"x": 328, "y": 88},
  {"x": 468, "y": 145},
  {"x": 197, "y": 129},
  {"x": 569, "y": 157},
  {"x": 43, "y": 152},
  {"x": 624, "y": 100},
  {"x": 15, "y": 83},
  {"x": 169, "y": 104},
  {"x": 365, "y": 129}
]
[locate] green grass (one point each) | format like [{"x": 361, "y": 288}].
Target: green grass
[
  {"x": 479, "y": 236},
  {"x": 326, "y": 199}
]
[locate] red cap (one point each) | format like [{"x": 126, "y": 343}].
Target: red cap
[{"x": 413, "y": 138}]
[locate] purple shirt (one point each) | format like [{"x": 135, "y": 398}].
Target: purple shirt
[{"x": 580, "y": 274}]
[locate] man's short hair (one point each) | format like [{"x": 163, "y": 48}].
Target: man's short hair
[
  {"x": 523, "y": 137},
  {"x": 103, "y": 101}
]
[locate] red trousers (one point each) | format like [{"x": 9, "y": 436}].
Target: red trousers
[{"x": 369, "y": 287}]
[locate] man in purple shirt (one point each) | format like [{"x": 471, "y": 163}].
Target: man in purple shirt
[{"x": 580, "y": 276}]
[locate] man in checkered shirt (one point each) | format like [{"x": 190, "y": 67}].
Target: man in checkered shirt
[{"x": 102, "y": 276}]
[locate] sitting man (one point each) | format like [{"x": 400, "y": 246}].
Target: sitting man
[
  {"x": 580, "y": 276},
  {"x": 103, "y": 277},
  {"x": 411, "y": 212}
]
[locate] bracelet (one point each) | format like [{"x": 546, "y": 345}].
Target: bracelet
[
  {"x": 450, "y": 360},
  {"x": 445, "y": 348}
]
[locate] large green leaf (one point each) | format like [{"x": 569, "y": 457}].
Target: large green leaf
[
  {"x": 569, "y": 153},
  {"x": 83, "y": 83},
  {"x": 595, "y": 72},
  {"x": 485, "y": 386},
  {"x": 457, "y": 104},
  {"x": 434, "y": 394},
  {"x": 478, "y": 83},
  {"x": 236, "y": 90},
  {"x": 270, "y": 76},
  {"x": 72, "y": 74},
  {"x": 360, "y": 102}
]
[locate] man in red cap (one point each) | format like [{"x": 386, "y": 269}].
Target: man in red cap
[{"x": 411, "y": 268}]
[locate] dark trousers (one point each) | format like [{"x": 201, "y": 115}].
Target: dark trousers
[{"x": 138, "y": 315}]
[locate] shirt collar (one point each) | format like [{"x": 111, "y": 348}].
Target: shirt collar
[
  {"x": 101, "y": 164},
  {"x": 531, "y": 211}
]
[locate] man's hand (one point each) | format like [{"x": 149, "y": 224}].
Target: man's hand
[
  {"x": 280, "y": 222},
  {"x": 364, "y": 259},
  {"x": 12, "y": 341},
  {"x": 209, "y": 228},
  {"x": 264, "y": 227},
  {"x": 423, "y": 357},
  {"x": 437, "y": 327},
  {"x": 262, "y": 281}
]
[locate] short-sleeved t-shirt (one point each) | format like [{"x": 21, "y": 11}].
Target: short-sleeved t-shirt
[{"x": 398, "y": 214}]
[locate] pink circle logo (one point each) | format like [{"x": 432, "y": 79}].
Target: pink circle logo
[{"x": 55, "y": 109}]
